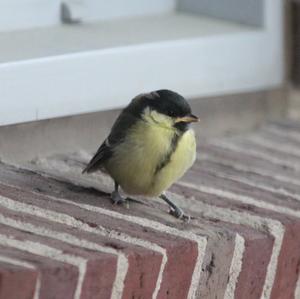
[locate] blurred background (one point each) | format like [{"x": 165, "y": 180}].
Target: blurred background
[{"x": 67, "y": 67}]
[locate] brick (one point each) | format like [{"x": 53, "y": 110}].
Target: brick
[
  {"x": 210, "y": 178},
  {"x": 139, "y": 260},
  {"x": 213, "y": 277},
  {"x": 289, "y": 254},
  {"x": 176, "y": 252},
  {"x": 241, "y": 243},
  {"x": 97, "y": 266},
  {"x": 243, "y": 176},
  {"x": 182, "y": 252},
  {"x": 16, "y": 282},
  {"x": 247, "y": 160},
  {"x": 53, "y": 275},
  {"x": 253, "y": 268},
  {"x": 280, "y": 136}
]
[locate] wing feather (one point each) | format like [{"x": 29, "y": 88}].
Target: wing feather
[
  {"x": 116, "y": 136},
  {"x": 103, "y": 153}
]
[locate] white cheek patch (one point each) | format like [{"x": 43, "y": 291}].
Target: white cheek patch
[
  {"x": 160, "y": 118},
  {"x": 157, "y": 118},
  {"x": 147, "y": 115}
]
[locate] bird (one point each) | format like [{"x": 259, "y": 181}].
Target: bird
[{"x": 150, "y": 146}]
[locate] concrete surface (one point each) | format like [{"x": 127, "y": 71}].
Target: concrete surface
[
  {"x": 60, "y": 230},
  {"x": 219, "y": 115}
]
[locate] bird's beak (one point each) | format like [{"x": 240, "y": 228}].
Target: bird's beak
[{"x": 188, "y": 119}]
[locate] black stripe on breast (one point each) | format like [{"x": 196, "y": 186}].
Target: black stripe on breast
[{"x": 167, "y": 158}]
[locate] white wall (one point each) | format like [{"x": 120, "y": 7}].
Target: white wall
[
  {"x": 108, "y": 9},
  {"x": 22, "y": 14},
  {"x": 245, "y": 60}
]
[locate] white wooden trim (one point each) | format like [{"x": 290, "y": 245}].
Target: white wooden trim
[{"x": 108, "y": 78}]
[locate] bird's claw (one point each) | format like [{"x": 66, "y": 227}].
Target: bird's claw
[
  {"x": 178, "y": 213},
  {"x": 117, "y": 199}
]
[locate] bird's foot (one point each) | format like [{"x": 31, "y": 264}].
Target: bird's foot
[
  {"x": 117, "y": 199},
  {"x": 174, "y": 210},
  {"x": 178, "y": 213}
]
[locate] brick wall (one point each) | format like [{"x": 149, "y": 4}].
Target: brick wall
[{"x": 60, "y": 237}]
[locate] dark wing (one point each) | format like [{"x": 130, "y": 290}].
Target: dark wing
[
  {"x": 116, "y": 136},
  {"x": 103, "y": 153}
]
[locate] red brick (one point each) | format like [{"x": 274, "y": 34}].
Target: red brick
[
  {"x": 16, "y": 282},
  {"x": 246, "y": 159},
  {"x": 140, "y": 260},
  {"x": 54, "y": 275},
  {"x": 180, "y": 252},
  {"x": 170, "y": 280},
  {"x": 287, "y": 269}
]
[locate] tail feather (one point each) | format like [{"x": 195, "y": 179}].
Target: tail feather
[{"x": 89, "y": 168}]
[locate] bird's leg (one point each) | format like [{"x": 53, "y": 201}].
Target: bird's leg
[
  {"x": 115, "y": 195},
  {"x": 174, "y": 210}
]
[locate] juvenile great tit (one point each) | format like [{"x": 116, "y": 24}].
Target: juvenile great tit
[{"x": 150, "y": 146}]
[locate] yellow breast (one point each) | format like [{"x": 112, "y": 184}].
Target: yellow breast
[
  {"x": 134, "y": 162},
  {"x": 181, "y": 160}
]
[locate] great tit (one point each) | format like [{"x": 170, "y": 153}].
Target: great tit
[{"x": 150, "y": 146}]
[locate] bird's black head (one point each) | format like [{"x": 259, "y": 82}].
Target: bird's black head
[
  {"x": 170, "y": 103},
  {"x": 165, "y": 102}
]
